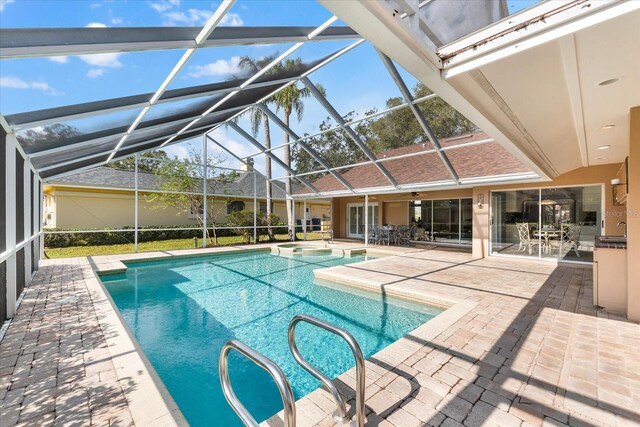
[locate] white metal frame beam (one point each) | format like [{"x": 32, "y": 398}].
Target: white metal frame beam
[
  {"x": 349, "y": 123},
  {"x": 354, "y": 136},
  {"x": 424, "y": 124},
  {"x": 273, "y": 157},
  {"x": 49, "y": 116},
  {"x": 202, "y": 36},
  {"x": 310, "y": 37},
  {"x": 39, "y": 42},
  {"x": 274, "y": 118}
]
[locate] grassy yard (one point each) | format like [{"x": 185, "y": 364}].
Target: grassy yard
[{"x": 161, "y": 245}]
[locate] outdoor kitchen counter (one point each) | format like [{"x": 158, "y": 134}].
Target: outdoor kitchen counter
[{"x": 618, "y": 243}]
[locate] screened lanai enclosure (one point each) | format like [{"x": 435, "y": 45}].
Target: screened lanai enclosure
[{"x": 295, "y": 93}]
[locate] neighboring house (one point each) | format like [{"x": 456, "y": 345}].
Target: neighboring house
[{"x": 104, "y": 198}]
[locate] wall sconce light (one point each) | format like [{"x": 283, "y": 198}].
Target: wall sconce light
[{"x": 480, "y": 200}]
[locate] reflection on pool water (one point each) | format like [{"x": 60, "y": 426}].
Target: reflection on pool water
[{"x": 183, "y": 310}]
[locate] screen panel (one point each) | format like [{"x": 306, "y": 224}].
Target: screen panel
[
  {"x": 19, "y": 197},
  {"x": 3, "y": 291},
  {"x": 20, "y": 273}
]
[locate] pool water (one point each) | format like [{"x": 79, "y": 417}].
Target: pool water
[{"x": 182, "y": 312}]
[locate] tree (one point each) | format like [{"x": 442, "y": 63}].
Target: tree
[
  {"x": 45, "y": 134},
  {"x": 242, "y": 223},
  {"x": 181, "y": 182},
  {"x": 150, "y": 162},
  {"x": 397, "y": 128},
  {"x": 290, "y": 100},
  {"x": 258, "y": 117},
  {"x": 334, "y": 146},
  {"x": 445, "y": 120}
]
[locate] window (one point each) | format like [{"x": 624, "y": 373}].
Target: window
[
  {"x": 263, "y": 207},
  {"x": 236, "y": 206}
]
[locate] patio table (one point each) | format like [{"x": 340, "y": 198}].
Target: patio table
[{"x": 546, "y": 235}]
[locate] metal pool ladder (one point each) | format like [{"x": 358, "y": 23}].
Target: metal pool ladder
[
  {"x": 268, "y": 365},
  {"x": 286, "y": 393},
  {"x": 341, "y": 412}
]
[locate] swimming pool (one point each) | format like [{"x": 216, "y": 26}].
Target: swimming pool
[{"x": 182, "y": 311}]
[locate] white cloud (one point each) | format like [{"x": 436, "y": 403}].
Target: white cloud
[
  {"x": 18, "y": 83},
  {"x": 4, "y": 3},
  {"x": 221, "y": 67},
  {"x": 163, "y": 6},
  {"x": 95, "y": 72},
  {"x": 59, "y": 59},
  {"x": 116, "y": 21},
  {"x": 13, "y": 82},
  {"x": 106, "y": 60},
  {"x": 192, "y": 17},
  {"x": 95, "y": 5},
  {"x": 96, "y": 25},
  {"x": 177, "y": 150},
  {"x": 232, "y": 20}
]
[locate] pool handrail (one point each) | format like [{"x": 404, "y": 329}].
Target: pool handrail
[
  {"x": 268, "y": 365},
  {"x": 341, "y": 413}
]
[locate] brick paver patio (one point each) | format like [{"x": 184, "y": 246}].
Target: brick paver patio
[
  {"x": 532, "y": 351},
  {"x": 55, "y": 366}
]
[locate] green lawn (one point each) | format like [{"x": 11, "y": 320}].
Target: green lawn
[{"x": 161, "y": 245}]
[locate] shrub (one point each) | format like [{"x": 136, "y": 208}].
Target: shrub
[{"x": 73, "y": 237}]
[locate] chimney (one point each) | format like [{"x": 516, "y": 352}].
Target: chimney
[{"x": 247, "y": 166}]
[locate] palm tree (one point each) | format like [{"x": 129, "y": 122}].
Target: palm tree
[
  {"x": 290, "y": 100},
  {"x": 258, "y": 118}
]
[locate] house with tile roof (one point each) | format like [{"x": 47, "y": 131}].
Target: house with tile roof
[{"x": 104, "y": 197}]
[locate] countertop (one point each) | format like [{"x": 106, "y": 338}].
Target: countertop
[{"x": 608, "y": 245}]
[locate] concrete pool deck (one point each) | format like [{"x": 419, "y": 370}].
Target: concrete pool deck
[{"x": 521, "y": 345}]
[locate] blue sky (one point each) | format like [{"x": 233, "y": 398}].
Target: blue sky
[{"x": 357, "y": 81}]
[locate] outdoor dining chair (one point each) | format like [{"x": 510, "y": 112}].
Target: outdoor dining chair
[{"x": 524, "y": 234}]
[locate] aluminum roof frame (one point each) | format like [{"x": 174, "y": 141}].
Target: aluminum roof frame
[
  {"x": 39, "y": 42},
  {"x": 304, "y": 145},
  {"x": 424, "y": 124},
  {"x": 286, "y": 82},
  {"x": 272, "y": 156},
  {"x": 202, "y": 36},
  {"x": 31, "y": 119},
  {"x": 354, "y": 136},
  {"x": 199, "y": 123}
]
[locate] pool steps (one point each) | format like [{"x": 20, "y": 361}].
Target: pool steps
[{"x": 298, "y": 249}]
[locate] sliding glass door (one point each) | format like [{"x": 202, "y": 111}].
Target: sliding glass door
[
  {"x": 445, "y": 220},
  {"x": 546, "y": 223},
  {"x": 356, "y": 220}
]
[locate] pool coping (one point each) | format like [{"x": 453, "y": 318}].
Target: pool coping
[
  {"x": 394, "y": 354},
  {"x": 150, "y": 403}
]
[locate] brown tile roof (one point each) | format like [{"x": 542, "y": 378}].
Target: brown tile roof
[{"x": 486, "y": 159}]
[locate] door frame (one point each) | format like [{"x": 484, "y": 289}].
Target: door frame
[{"x": 348, "y": 219}]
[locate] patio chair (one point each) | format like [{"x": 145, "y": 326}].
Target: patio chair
[
  {"x": 420, "y": 235},
  {"x": 402, "y": 235},
  {"x": 373, "y": 234},
  {"x": 384, "y": 235},
  {"x": 429, "y": 237},
  {"x": 524, "y": 234},
  {"x": 569, "y": 238}
]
